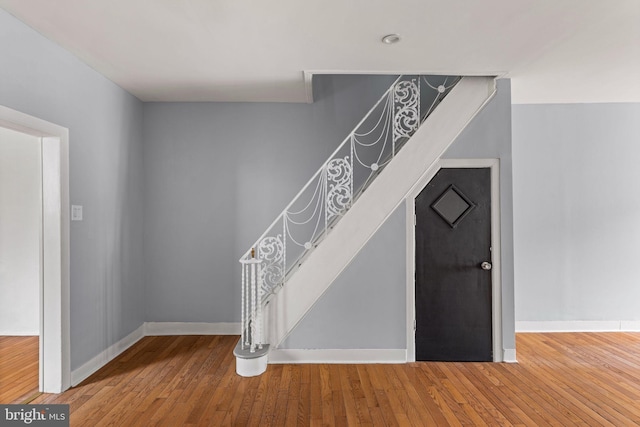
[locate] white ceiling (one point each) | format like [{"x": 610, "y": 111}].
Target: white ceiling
[{"x": 241, "y": 50}]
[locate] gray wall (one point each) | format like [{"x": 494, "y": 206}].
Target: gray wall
[
  {"x": 365, "y": 307},
  {"x": 217, "y": 174},
  {"x": 378, "y": 272},
  {"x": 40, "y": 78},
  {"x": 577, "y": 210}
]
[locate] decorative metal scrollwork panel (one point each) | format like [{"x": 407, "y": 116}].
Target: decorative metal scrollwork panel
[
  {"x": 406, "y": 100},
  {"x": 339, "y": 177},
  {"x": 271, "y": 252}
]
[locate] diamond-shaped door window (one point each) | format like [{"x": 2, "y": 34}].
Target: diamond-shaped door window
[{"x": 453, "y": 206}]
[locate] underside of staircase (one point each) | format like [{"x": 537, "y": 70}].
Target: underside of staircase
[{"x": 320, "y": 267}]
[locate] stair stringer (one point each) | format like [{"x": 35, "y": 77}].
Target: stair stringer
[{"x": 418, "y": 156}]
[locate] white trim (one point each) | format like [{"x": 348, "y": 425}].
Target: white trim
[
  {"x": 496, "y": 272},
  {"x": 410, "y": 268},
  {"x": 578, "y": 326},
  {"x": 630, "y": 325},
  {"x": 55, "y": 365},
  {"x": 22, "y": 333},
  {"x": 187, "y": 328},
  {"x": 308, "y": 86},
  {"x": 83, "y": 372},
  {"x": 509, "y": 355},
  {"x": 410, "y": 72},
  {"x": 338, "y": 356}
]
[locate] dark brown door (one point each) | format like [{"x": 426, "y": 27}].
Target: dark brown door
[{"x": 453, "y": 286}]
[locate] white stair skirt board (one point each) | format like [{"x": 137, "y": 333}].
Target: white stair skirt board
[
  {"x": 115, "y": 350},
  {"x": 375, "y": 205},
  {"x": 579, "y": 326},
  {"x": 338, "y": 356},
  {"x": 188, "y": 328}
]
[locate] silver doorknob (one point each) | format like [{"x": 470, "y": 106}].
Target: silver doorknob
[{"x": 486, "y": 265}]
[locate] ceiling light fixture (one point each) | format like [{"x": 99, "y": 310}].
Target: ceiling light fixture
[{"x": 391, "y": 38}]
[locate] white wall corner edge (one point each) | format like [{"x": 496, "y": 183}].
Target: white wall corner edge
[
  {"x": 191, "y": 328},
  {"x": 524, "y": 326},
  {"x": 83, "y": 372},
  {"x": 346, "y": 356}
]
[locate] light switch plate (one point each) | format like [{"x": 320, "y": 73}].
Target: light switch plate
[{"x": 76, "y": 213}]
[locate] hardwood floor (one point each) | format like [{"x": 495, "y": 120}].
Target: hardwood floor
[
  {"x": 18, "y": 368},
  {"x": 560, "y": 380}
]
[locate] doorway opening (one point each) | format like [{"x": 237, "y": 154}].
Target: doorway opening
[
  {"x": 20, "y": 259},
  {"x": 54, "y": 322}
]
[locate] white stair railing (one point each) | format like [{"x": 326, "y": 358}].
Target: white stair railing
[{"x": 332, "y": 190}]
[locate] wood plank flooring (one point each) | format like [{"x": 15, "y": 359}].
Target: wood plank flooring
[
  {"x": 576, "y": 379},
  {"x": 18, "y": 368}
]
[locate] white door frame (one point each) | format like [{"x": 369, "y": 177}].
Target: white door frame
[
  {"x": 496, "y": 276},
  {"x": 55, "y": 366}
]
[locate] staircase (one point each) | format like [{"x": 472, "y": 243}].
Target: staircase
[{"x": 318, "y": 234}]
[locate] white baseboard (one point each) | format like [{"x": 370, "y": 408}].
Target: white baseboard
[
  {"x": 14, "y": 333},
  {"x": 188, "y": 328},
  {"x": 630, "y": 325},
  {"x": 509, "y": 355},
  {"x": 83, "y": 372},
  {"x": 579, "y": 326},
  {"x": 338, "y": 356}
]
